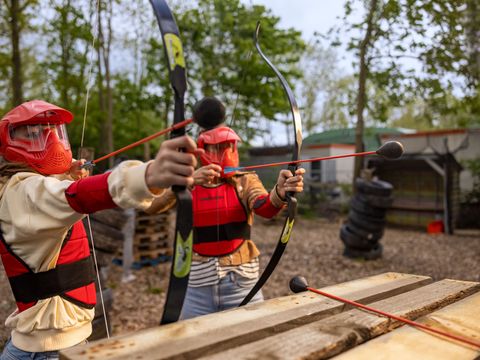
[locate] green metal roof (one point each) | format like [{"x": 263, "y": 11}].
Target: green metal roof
[{"x": 371, "y": 137}]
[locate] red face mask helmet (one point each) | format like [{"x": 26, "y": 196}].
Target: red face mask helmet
[
  {"x": 34, "y": 133},
  {"x": 220, "y": 145}
]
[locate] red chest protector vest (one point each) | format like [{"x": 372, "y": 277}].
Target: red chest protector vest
[
  {"x": 73, "y": 278},
  {"x": 219, "y": 220}
]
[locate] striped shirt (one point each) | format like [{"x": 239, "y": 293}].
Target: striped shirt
[{"x": 210, "y": 272}]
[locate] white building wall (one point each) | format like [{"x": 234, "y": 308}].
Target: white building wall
[
  {"x": 344, "y": 166},
  {"x": 338, "y": 170}
]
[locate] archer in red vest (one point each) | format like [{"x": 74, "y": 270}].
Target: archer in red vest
[
  {"x": 43, "y": 243},
  {"x": 225, "y": 264}
]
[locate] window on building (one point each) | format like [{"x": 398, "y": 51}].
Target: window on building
[{"x": 316, "y": 170}]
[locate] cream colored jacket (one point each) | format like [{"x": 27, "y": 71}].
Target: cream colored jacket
[{"x": 35, "y": 217}]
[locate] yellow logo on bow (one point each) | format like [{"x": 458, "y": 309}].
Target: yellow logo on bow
[
  {"x": 287, "y": 230},
  {"x": 174, "y": 48},
  {"x": 183, "y": 255}
]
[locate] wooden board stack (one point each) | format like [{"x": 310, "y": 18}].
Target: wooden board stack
[
  {"x": 309, "y": 326},
  {"x": 151, "y": 236}
]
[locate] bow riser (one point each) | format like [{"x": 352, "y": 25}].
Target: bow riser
[{"x": 183, "y": 242}]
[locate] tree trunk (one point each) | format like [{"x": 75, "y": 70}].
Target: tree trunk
[
  {"x": 100, "y": 83},
  {"x": 361, "y": 96},
  {"x": 65, "y": 57},
  {"x": 473, "y": 31},
  {"x": 108, "y": 85},
  {"x": 147, "y": 152},
  {"x": 15, "y": 29}
]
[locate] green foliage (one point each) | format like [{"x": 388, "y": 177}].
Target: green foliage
[
  {"x": 338, "y": 107},
  {"x": 67, "y": 60},
  {"x": 320, "y": 81},
  {"x": 418, "y": 50},
  {"x": 217, "y": 37},
  {"x": 26, "y": 10},
  {"x": 135, "y": 115},
  {"x": 155, "y": 290},
  {"x": 66, "y": 64}
]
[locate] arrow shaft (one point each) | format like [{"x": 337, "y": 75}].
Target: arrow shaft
[
  {"x": 144, "y": 140},
  {"x": 398, "y": 318},
  {"x": 307, "y": 160}
]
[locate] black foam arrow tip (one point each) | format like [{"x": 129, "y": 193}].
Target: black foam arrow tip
[
  {"x": 391, "y": 150},
  {"x": 208, "y": 123},
  {"x": 298, "y": 284},
  {"x": 209, "y": 112}
]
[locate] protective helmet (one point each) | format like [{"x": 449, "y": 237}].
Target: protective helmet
[
  {"x": 225, "y": 152},
  {"x": 34, "y": 133}
]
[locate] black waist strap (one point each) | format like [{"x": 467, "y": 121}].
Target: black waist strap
[
  {"x": 230, "y": 231},
  {"x": 30, "y": 287}
]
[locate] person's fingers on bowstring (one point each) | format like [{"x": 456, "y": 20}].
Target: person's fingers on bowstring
[
  {"x": 76, "y": 171},
  {"x": 206, "y": 174}
]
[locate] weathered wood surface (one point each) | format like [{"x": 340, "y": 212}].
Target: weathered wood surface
[
  {"x": 303, "y": 326},
  {"x": 461, "y": 318},
  {"x": 222, "y": 331},
  {"x": 115, "y": 218},
  {"x": 107, "y": 238},
  {"x": 149, "y": 238},
  {"x": 330, "y": 336}
]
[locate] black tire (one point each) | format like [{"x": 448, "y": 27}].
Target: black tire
[
  {"x": 374, "y": 187},
  {"x": 366, "y": 222},
  {"x": 371, "y": 236},
  {"x": 354, "y": 241},
  {"x": 375, "y": 200},
  {"x": 362, "y": 207},
  {"x": 372, "y": 254}
]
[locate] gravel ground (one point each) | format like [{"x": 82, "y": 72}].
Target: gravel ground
[{"x": 314, "y": 252}]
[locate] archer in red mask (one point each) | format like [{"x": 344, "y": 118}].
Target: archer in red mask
[
  {"x": 35, "y": 134},
  {"x": 43, "y": 243},
  {"x": 226, "y": 260},
  {"x": 220, "y": 145}
]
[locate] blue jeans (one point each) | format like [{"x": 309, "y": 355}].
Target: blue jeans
[
  {"x": 11, "y": 352},
  {"x": 227, "y": 294}
]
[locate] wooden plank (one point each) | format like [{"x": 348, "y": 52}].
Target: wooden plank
[
  {"x": 461, "y": 318},
  {"x": 146, "y": 219},
  {"x": 108, "y": 231},
  {"x": 107, "y": 238},
  {"x": 115, "y": 218},
  {"x": 151, "y": 254},
  {"x": 150, "y": 237},
  {"x": 330, "y": 336},
  {"x": 220, "y": 331},
  {"x": 153, "y": 228}
]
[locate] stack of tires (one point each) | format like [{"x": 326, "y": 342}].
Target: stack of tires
[{"x": 364, "y": 228}]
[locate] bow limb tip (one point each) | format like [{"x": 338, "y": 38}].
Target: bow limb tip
[{"x": 298, "y": 284}]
